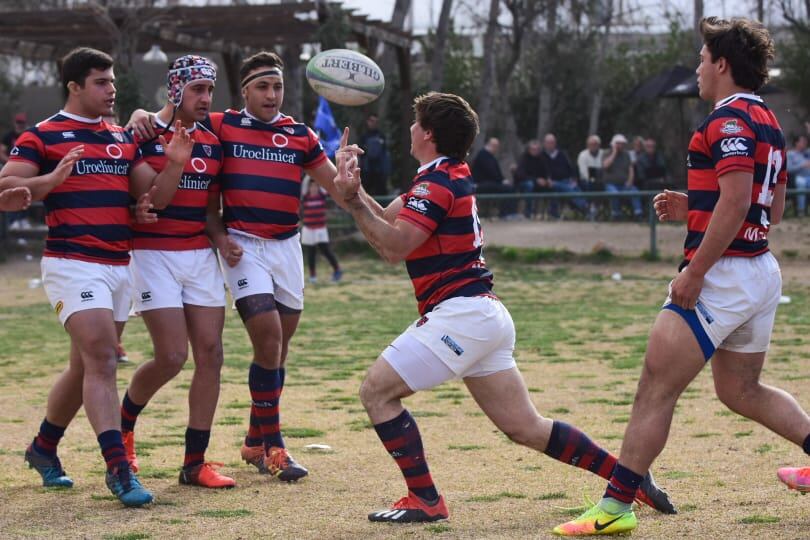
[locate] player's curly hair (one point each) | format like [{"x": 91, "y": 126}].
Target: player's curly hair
[
  {"x": 264, "y": 59},
  {"x": 451, "y": 119},
  {"x": 745, "y": 44}
]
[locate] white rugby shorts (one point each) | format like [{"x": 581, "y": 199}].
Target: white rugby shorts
[
  {"x": 72, "y": 285},
  {"x": 312, "y": 237},
  {"x": 170, "y": 279},
  {"x": 737, "y": 305},
  {"x": 461, "y": 337},
  {"x": 267, "y": 267}
]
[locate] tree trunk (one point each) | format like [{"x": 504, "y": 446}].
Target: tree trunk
[
  {"x": 698, "y": 15},
  {"x": 597, "y": 76},
  {"x": 437, "y": 64},
  {"x": 488, "y": 76},
  {"x": 545, "y": 96},
  {"x": 293, "y": 79}
]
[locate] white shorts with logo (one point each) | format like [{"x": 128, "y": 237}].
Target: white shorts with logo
[
  {"x": 737, "y": 305},
  {"x": 267, "y": 267},
  {"x": 72, "y": 285},
  {"x": 461, "y": 337},
  {"x": 312, "y": 237},
  {"x": 170, "y": 279}
]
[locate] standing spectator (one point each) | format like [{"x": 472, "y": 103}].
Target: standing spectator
[
  {"x": 619, "y": 176},
  {"x": 798, "y": 166},
  {"x": 7, "y": 143},
  {"x": 314, "y": 234},
  {"x": 651, "y": 169},
  {"x": 376, "y": 162},
  {"x": 562, "y": 177},
  {"x": 488, "y": 178},
  {"x": 531, "y": 174}
]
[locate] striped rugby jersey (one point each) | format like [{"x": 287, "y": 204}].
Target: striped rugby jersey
[
  {"x": 87, "y": 215},
  {"x": 314, "y": 207},
  {"x": 741, "y": 134},
  {"x": 262, "y": 171},
  {"x": 181, "y": 225},
  {"x": 450, "y": 262}
]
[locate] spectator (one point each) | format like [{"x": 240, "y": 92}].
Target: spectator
[
  {"x": 562, "y": 178},
  {"x": 488, "y": 178},
  {"x": 651, "y": 170},
  {"x": 531, "y": 174},
  {"x": 589, "y": 163},
  {"x": 618, "y": 175},
  {"x": 7, "y": 143},
  {"x": 636, "y": 148},
  {"x": 376, "y": 162},
  {"x": 798, "y": 166}
]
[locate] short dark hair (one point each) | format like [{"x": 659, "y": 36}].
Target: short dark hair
[
  {"x": 260, "y": 59},
  {"x": 745, "y": 44},
  {"x": 799, "y": 137},
  {"x": 76, "y": 65},
  {"x": 451, "y": 119}
]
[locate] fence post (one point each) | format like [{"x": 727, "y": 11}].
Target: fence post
[{"x": 653, "y": 220}]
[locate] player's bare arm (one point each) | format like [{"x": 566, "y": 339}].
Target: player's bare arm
[
  {"x": 15, "y": 199},
  {"x": 177, "y": 152},
  {"x": 215, "y": 230},
  {"x": 726, "y": 220},
  {"x": 778, "y": 204},
  {"x": 143, "y": 124},
  {"x": 22, "y": 174}
]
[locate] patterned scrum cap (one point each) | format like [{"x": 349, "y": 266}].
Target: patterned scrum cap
[{"x": 187, "y": 69}]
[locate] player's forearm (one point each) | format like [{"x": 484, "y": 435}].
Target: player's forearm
[
  {"x": 167, "y": 182},
  {"x": 379, "y": 233},
  {"x": 39, "y": 186},
  {"x": 372, "y": 204},
  {"x": 727, "y": 218},
  {"x": 215, "y": 228}
]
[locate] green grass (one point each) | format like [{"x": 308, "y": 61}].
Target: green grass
[
  {"x": 223, "y": 513},
  {"x": 757, "y": 518},
  {"x": 302, "y": 433}
]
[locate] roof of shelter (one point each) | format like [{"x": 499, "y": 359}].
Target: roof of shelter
[{"x": 47, "y": 34}]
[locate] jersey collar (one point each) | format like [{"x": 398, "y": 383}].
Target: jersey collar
[
  {"x": 738, "y": 95},
  {"x": 163, "y": 124},
  {"x": 80, "y": 118},
  {"x": 433, "y": 163},
  {"x": 275, "y": 119}
]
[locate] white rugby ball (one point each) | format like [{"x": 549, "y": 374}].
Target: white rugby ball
[{"x": 345, "y": 77}]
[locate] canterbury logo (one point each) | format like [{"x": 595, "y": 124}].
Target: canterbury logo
[
  {"x": 86, "y": 295},
  {"x": 736, "y": 144}
]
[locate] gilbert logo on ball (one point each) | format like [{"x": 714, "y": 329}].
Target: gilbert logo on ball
[{"x": 345, "y": 77}]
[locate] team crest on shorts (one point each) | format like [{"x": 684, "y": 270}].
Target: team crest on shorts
[
  {"x": 421, "y": 321},
  {"x": 207, "y": 149},
  {"x": 422, "y": 190},
  {"x": 58, "y": 307},
  {"x": 731, "y": 127}
]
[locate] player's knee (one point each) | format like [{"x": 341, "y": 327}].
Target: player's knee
[
  {"x": 371, "y": 394},
  {"x": 735, "y": 395},
  {"x": 209, "y": 356},
  {"x": 172, "y": 361}
]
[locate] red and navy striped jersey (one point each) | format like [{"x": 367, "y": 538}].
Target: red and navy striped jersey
[
  {"x": 181, "y": 225},
  {"x": 314, "y": 207},
  {"x": 450, "y": 262},
  {"x": 741, "y": 134},
  {"x": 262, "y": 171},
  {"x": 88, "y": 215}
]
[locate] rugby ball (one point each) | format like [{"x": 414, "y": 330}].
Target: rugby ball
[{"x": 345, "y": 77}]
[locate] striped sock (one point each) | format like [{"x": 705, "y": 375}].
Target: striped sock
[
  {"x": 254, "y": 434},
  {"x": 265, "y": 390},
  {"x": 112, "y": 448},
  {"x": 129, "y": 413},
  {"x": 196, "y": 445},
  {"x": 47, "y": 439},
  {"x": 571, "y": 446},
  {"x": 623, "y": 485},
  {"x": 403, "y": 442},
  {"x": 806, "y": 445}
]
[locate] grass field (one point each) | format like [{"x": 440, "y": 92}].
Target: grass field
[{"x": 581, "y": 339}]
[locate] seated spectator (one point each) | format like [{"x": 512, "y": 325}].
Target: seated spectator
[
  {"x": 562, "y": 178},
  {"x": 618, "y": 175},
  {"x": 531, "y": 174},
  {"x": 589, "y": 164},
  {"x": 651, "y": 170},
  {"x": 488, "y": 178},
  {"x": 798, "y": 165}
]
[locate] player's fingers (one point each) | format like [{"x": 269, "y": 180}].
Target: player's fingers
[
  {"x": 344, "y": 137},
  {"x": 162, "y": 140}
]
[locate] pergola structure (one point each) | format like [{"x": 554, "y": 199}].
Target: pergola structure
[{"x": 233, "y": 31}]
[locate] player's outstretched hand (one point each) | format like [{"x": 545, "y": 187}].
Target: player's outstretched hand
[
  {"x": 347, "y": 181},
  {"x": 15, "y": 199},
  {"x": 230, "y": 250},
  {"x": 142, "y": 124},
  {"x": 179, "y": 149},
  {"x": 671, "y": 206},
  {"x": 143, "y": 209},
  {"x": 65, "y": 166}
]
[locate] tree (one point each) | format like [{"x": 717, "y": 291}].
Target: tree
[
  {"x": 437, "y": 63},
  {"x": 488, "y": 75}
]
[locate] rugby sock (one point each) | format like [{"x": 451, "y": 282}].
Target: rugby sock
[
  {"x": 254, "y": 434},
  {"x": 112, "y": 448},
  {"x": 401, "y": 438},
  {"x": 621, "y": 490},
  {"x": 806, "y": 445},
  {"x": 282, "y": 373},
  {"x": 571, "y": 446},
  {"x": 265, "y": 390},
  {"x": 196, "y": 445},
  {"x": 129, "y": 413},
  {"x": 47, "y": 439}
]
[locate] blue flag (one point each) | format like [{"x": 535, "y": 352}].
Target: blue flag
[{"x": 326, "y": 128}]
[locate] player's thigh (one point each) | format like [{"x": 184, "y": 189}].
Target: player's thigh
[
  {"x": 735, "y": 373},
  {"x": 167, "y": 326},
  {"x": 674, "y": 355},
  {"x": 417, "y": 365},
  {"x": 383, "y": 383},
  {"x": 205, "y": 326},
  {"x": 263, "y": 328},
  {"x": 93, "y": 333}
]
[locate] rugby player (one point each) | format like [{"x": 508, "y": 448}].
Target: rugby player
[
  {"x": 722, "y": 304},
  {"x": 464, "y": 330},
  {"x": 85, "y": 171},
  {"x": 177, "y": 284}
]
